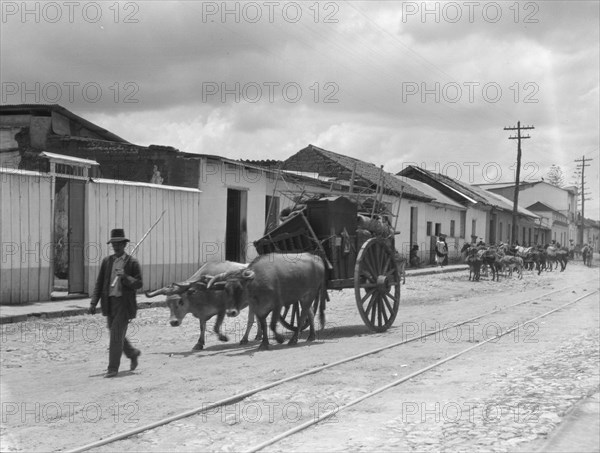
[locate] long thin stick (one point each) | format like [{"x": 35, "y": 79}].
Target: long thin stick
[{"x": 138, "y": 244}]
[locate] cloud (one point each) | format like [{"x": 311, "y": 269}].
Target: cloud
[{"x": 367, "y": 79}]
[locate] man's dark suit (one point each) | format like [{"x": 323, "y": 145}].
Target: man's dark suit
[{"x": 118, "y": 310}]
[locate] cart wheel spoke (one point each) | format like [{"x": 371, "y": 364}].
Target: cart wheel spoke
[
  {"x": 368, "y": 294},
  {"x": 373, "y": 305},
  {"x": 371, "y": 265},
  {"x": 383, "y": 312},
  {"x": 387, "y": 303}
]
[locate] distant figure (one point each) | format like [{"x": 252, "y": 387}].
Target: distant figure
[
  {"x": 414, "y": 259},
  {"x": 441, "y": 251},
  {"x": 445, "y": 260},
  {"x": 571, "y": 249},
  {"x": 156, "y": 178}
]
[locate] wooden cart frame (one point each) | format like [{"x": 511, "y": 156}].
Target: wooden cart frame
[{"x": 353, "y": 261}]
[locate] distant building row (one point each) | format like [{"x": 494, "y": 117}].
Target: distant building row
[{"x": 73, "y": 179}]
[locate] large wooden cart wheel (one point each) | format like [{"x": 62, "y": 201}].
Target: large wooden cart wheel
[
  {"x": 377, "y": 285},
  {"x": 290, "y": 315}
]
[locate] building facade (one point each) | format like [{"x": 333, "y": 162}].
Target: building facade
[{"x": 558, "y": 206}]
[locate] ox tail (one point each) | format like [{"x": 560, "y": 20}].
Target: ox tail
[{"x": 323, "y": 297}]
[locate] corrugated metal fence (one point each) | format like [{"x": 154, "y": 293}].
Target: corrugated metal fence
[
  {"x": 25, "y": 236},
  {"x": 170, "y": 253}
]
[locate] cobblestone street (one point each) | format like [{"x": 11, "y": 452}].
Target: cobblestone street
[{"x": 508, "y": 395}]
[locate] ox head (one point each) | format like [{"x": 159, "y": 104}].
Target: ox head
[
  {"x": 178, "y": 299},
  {"x": 235, "y": 284}
]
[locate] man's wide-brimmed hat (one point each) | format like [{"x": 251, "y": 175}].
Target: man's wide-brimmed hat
[{"x": 117, "y": 235}]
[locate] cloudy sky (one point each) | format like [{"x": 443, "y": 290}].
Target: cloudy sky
[{"x": 392, "y": 83}]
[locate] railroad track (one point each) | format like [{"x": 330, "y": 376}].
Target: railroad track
[{"x": 210, "y": 408}]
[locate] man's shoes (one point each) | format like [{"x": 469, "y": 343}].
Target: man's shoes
[
  {"x": 134, "y": 360},
  {"x": 110, "y": 374}
]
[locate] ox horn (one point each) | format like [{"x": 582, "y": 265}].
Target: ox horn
[
  {"x": 215, "y": 279},
  {"x": 157, "y": 292},
  {"x": 180, "y": 287},
  {"x": 175, "y": 288}
]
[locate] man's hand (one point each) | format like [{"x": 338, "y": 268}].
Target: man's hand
[{"x": 92, "y": 309}]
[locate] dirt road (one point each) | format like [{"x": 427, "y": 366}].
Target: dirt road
[{"x": 507, "y": 395}]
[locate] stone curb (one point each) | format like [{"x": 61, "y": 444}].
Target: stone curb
[
  {"x": 57, "y": 313},
  {"x": 578, "y": 431},
  {"x": 66, "y": 313},
  {"x": 436, "y": 270}
]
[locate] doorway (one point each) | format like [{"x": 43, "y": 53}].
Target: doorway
[
  {"x": 492, "y": 233},
  {"x": 413, "y": 226},
  {"x": 236, "y": 232},
  {"x": 69, "y": 211}
]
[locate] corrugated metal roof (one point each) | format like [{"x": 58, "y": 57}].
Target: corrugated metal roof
[
  {"x": 465, "y": 190},
  {"x": 143, "y": 184},
  {"x": 435, "y": 194},
  {"x": 539, "y": 204},
  {"x": 48, "y": 108},
  {"x": 507, "y": 205},
  {"x": 474, "y": 193},
  {"x": 75, "y": 160}
]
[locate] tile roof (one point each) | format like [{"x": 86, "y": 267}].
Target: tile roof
[{"x": 328, "y": 163}]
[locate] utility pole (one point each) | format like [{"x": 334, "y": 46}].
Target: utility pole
[
  {"x": 583, "y": 164},
  {"x": 519, "y": 137}
]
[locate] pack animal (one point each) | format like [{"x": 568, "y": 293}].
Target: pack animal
[
  {"x": 193, "y": 297},
  {"x": 558, "y": 255},
  {"x": 273, "y": 281},
  {"x": 511, "y": 263},
  {"x": 491, "y": 257},
  {"x": 473, "y": 260}
]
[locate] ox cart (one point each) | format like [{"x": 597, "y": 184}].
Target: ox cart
[{"x": 358, "y": 252}]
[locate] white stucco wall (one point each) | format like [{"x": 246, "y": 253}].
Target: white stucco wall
[{"x": 216, "y": 177}]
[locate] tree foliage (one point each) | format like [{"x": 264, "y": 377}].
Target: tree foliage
[{"x": 555, "y": 176}]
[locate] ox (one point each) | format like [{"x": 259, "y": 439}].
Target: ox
[
  {"x": 274, "y": 281},
  {"x": 192, "y": 297}
]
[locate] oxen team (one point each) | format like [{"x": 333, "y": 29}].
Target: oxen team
[
  {"x": 267, "y": 284},
  {"x": 506, "y": 259},
  {"x": 277, "y": 280}
]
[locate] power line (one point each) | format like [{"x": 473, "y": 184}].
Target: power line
[
  {"x": 519, "y": 137},
  {"x": 582, "y": 166}
]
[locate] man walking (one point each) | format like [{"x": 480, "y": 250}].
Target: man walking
[{"x": 119, "y": 278}]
